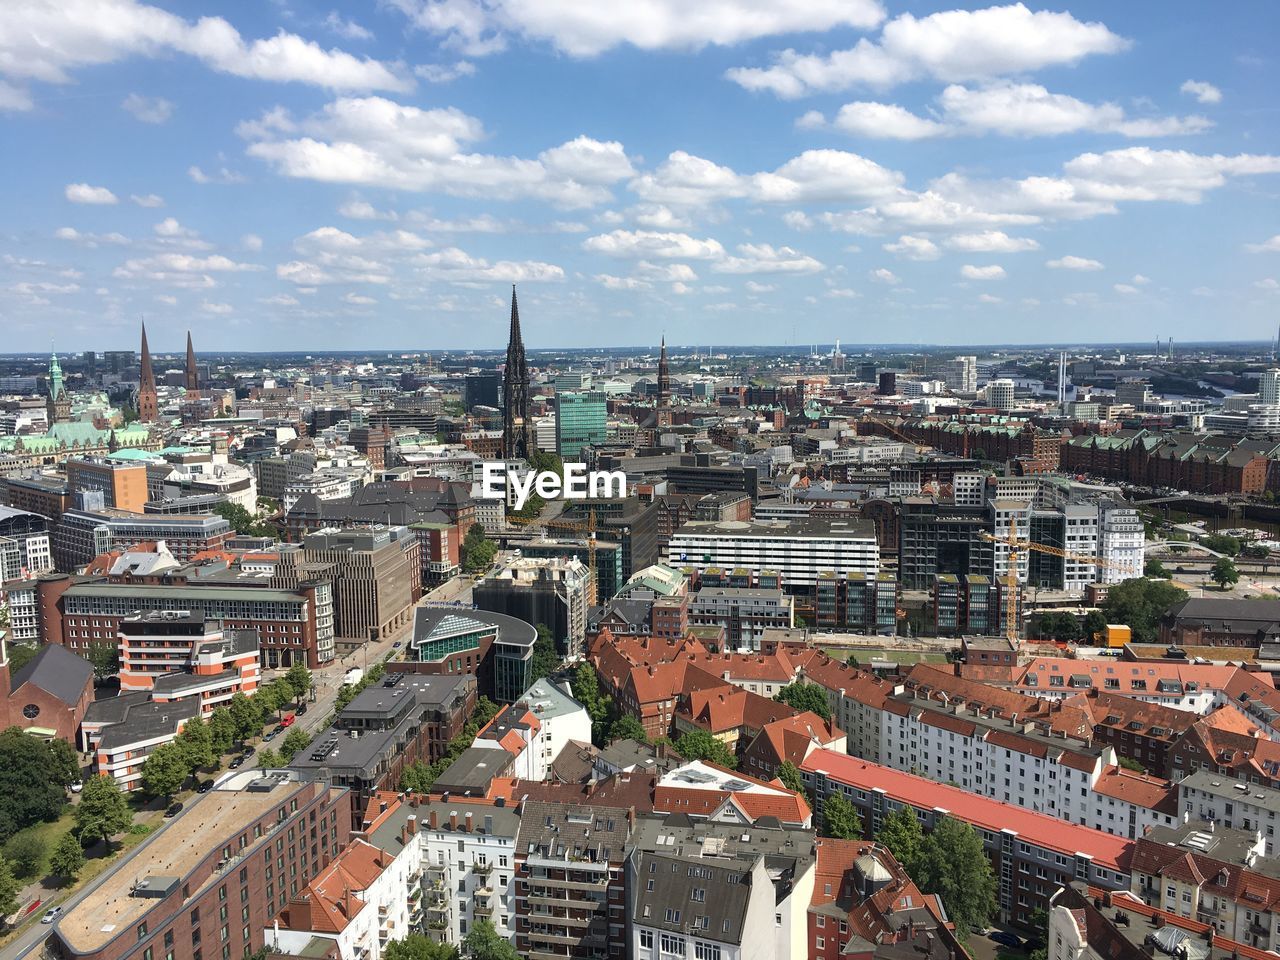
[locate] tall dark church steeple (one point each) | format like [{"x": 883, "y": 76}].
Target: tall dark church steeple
[
  {"x": 663, "y": 413},
  {"x": 148, "y": 402},
  {"x": 192, "y": 372},
  {"x": 517, "y": 440}
]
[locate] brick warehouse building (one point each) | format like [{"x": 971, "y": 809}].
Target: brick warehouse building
[{"x": 206, "y": 885}]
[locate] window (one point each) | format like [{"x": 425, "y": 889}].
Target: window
[
  {"x": 646, "y": 939},
  {"x": 672, "y": 944},
  {"x": 706, "y": 951}
]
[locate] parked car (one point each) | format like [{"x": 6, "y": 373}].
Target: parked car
[
  {"x": 396, "y": 645},
  {"x": 205, "y": 786},
  {"x": 271, "y": 735},
  {"x": 51, "y": 915},
  {"x": 174, "y": 809},
  {"x": 302, "y": 708},
  {"x": 236, "y": 763},
  {"x": 288, "y": 720},
  {"x": 1005, "y": 939},
  {"x": 248, "y": 752}
]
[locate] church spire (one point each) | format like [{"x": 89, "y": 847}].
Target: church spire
[
  {"x": 193, "y": 374},
  {"x": 517, "y": 427},
  {"x": 148, "y": 405}
]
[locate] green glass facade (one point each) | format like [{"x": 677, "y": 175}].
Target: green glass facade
[{"x": 581, "y": 421}]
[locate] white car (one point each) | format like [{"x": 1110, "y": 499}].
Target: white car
[{"x": 51, "y": 915}]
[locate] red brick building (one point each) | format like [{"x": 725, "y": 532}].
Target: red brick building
[{"x": 49, "y": 696}]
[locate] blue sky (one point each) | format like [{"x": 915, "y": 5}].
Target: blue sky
[{"x": 285, "y": 174}]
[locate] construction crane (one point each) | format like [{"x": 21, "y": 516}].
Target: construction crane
[
  {"x": 577, "y": 526},
  {"x": 1016, "y": 549}
]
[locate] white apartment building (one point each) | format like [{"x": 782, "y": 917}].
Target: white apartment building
[
  {"x": 1120, "y": 542},
  {"x": 25, "y": 556},
  {"x": 799, "y": 550},
  {"x": 1010, "y": 517},
  {"x": 1220, "y": 799},
  {"x": 1006, "y": 761},
  {"x": 333, "y": 484},
  {"x": 1000, "y": 394},
  {"x": 560, "y": 717},
  {"x": 961, "y": 374}
]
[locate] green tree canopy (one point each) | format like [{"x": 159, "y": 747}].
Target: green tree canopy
[
  {"x": 33, "y": 779},
  {"x": 10, "y": 887},
  {"x": 105, "y": 658},
  {"x": 901, "y": 834},
  {"x": 295, "y": 740},
  {"x": 222, "y": 730},
  {"x": 164, "y": 772},
  {"x": 700, "y": 745},
  {"x": 1221, "y": 543},
  {"x": 102, "y": 810},
  {"x": 954, "y": 865},
  {"x": 67, "y": 857},
  {"x": 840, "y": 818},
  {"x": 627, "y": 727},
  {"x": 805, "y": 696},
  {"x": 790, "y": 776},
  {"x": 196, "y": 743},
  {"x": 299, "y": 678},
  {"x": 20, "y": 654},
  {"x": 1141, "y": 603},
  {"x": 245, "y": 716},
  {"x": 1154, "y": 568},
  {"x": 1224, "y": 573},
  {"x": 242, "y": 521},
  {"x": 546, "y": 659},
  {"x": 483, "y": 942},
  {"x": 416, "y": 946},
  {"x": 25, "y": 852}
]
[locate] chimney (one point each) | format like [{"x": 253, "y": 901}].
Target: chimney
[
  {"x": 453, "y": 819},
  {"x": 411, "y": 825},
  {"x": 431, "y": 820},
  {"x": 468, "y": 822}
]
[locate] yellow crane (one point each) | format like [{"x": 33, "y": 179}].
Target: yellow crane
[
  {"x": 1016, "y": 549},
  {"x": 577, "y": 526}
]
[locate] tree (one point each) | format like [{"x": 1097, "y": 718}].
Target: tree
[
  {"x": 627, "y": 727},
  {"x": 1141, "y": 603},
  {"x": 246, "y": 716},
  {"x": 269, "y": 759},
  {"x": 102, "y": 811},
  {"x": 585, "y": 684},
  {"x": 9, "y": 890},
  {"x": 900, "y": 832},
  {"x": 1154, "y": 568},
  {"x": 954, "y": 865},
  {"x": 105, "y": 658},
  {"x": 222, "y": 730},
  {"x": 1224, "y": 573},
  {"x": 700, "y": 745},
  {"x": 299, "y": 678},
  {"x": 20, "y": 654},
  {"x": 25, "y": 852},
  {"x": 242, "y": 521},
  {"x": 790, "y": 776},
  {"x": 478, "y": 550},
  {"x": 805, "y": 696},
  {"x": 419, "y": 947},
  {"x": 419, "y": 776},
  {"x": 67, "y": 857},
  {"x": 1094, "y": 623},
  {"x": 1221, "y": 543},
  {"x": 64, "y": 763},
  {"x": 485, "y": 711},
  {"x": 295, "y": 741},
  {"x": 483, "y": 942},
  {"x": 546, "y": 660},
  {"x": 164, "y": 772},
  {"x": 32, "y": 782},
  {"x": 840, "y": 819},
  {"x": 196, "y": 743}
]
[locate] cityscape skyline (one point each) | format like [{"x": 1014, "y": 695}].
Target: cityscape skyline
[{"x": 360, "y": 172}]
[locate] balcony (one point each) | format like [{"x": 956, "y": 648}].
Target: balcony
[{"x": 482, "y": 869}]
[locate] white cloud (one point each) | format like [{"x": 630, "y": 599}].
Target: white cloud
[
  {"x": 1071, "y": 262},
  {"x": 1202, "y": 292},
  {"x": 1126, "y": 288},
  {"x": 765, "y": 258},
  {"x": 251, "y": 242},
  {"x": 885, "y": 121},
  {"x": 14, "y": 98},
  {"x": 371, "y": 141},
  {"x": 1203, "y": 92},
  {"x": 280, "y": 300},
  {"x": 150, "y": 200},
  {"x": 179, "y": 263},
  {"x": 172, "y": 229},
  {"x": 610, "y": 282},
  {"x": 991, "y": 241},
  {"x": 444, "y": 72},
  {"x": 665, "y": 272},
  {"x": 1029, "y": 110},
  {"x": 83, "y": 193},
  {"x": 1270, "y": 284},
  {"x": 222, "y": 175},
  {"x": 587, "y": 30},
  {"x": 885, "y": 276},
  {"x": 1266, "y": 246},
  {"x": 457, "y": 266},
  {"x": 362, "y": 210},
  {"x": 989, "y": 298},
  {"x": 656, "y": 216},
  {"x": 348, "y": 29},
  {"x": 359, "y": 299},
  {"x": 90, "y": 239},
  {"x": 148, "y": 109},
  {"x": 758, "y": 288},
  {"x": 814, "y": 176},
  {"x": 914, "y": 248},
  {"x": 952, "y": 45},
  {"x": 167, "y": 299},
  {"x": 1140, "y": 173},
  {"x": 45, "y": 40},
  {"x": 991, "y": 272},
  {"x": 1139, "y": 279},
  {"x": 218, "y": 309},
  {"x": 651, "y": 243}
]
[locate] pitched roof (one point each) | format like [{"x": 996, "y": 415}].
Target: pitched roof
[{"x": 58, "y": 672}]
